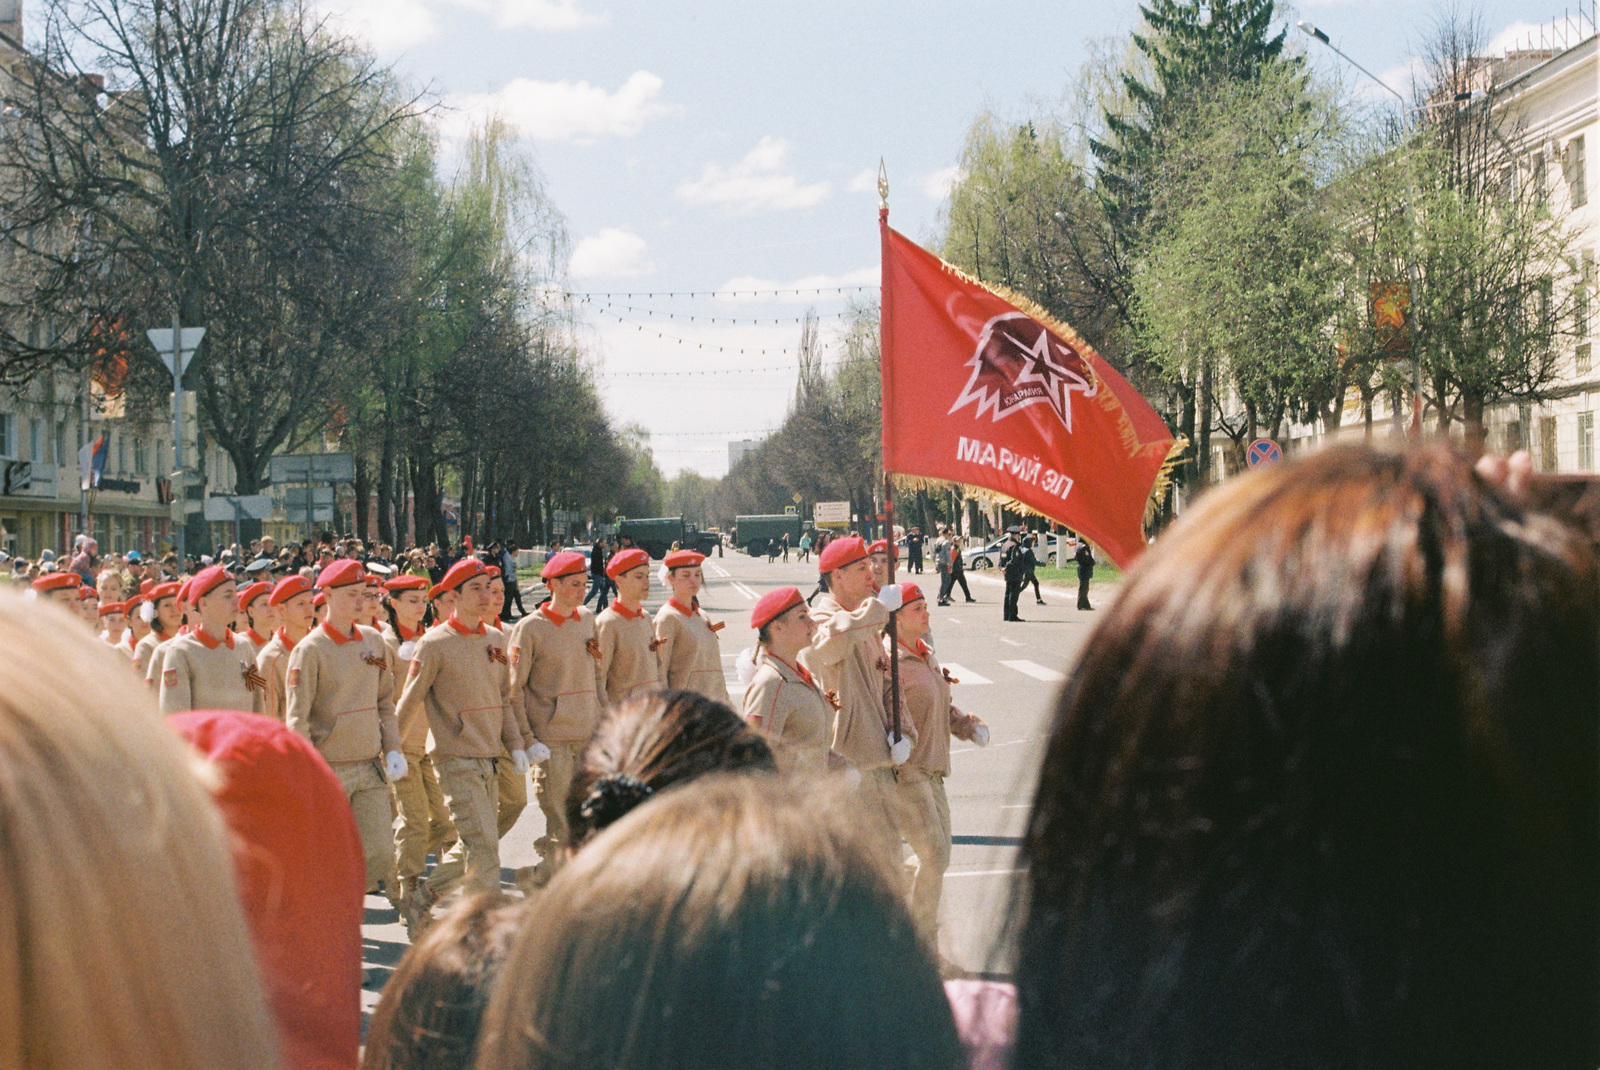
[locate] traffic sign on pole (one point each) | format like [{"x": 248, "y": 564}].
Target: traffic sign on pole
[{"x": 1262, "y": 453}]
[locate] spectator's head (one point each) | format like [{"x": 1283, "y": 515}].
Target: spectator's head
[
  {"x": 650, "y": 743},
  {"x": 431, "y": 1012},
  {"x": 1322, "y": 788},
  {"x": 736, "y": 922},
  {"x": 122, "y": 941}
]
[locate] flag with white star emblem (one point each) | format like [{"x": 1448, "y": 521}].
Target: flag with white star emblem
[{"x": 980, "y": 388}]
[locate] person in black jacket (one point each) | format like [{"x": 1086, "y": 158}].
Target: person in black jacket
[
  {"x": 1085, "y": 559},
  {"x": 1015, "y": 562}
]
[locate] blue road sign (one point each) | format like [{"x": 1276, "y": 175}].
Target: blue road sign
[{"x": 1262, "y": 452}]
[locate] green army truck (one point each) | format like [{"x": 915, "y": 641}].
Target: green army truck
[
  {"x": 754, "y": 532},
  {"x": 656, "y": 534}
]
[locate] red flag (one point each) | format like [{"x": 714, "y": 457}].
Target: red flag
[{"x": 977, "y": 391}]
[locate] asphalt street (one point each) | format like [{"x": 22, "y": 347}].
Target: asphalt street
[{"x": 1009, "y": 675}]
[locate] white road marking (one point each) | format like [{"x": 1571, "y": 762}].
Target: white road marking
[
  {"x": 985, "y": 873},
  {"x": 966, "y": 675},
  {"x": 1018, "y": 806},
  {"x": 951, "y": 620},
  {"x": 992, "y": 746},
  {"x": 1037, "y": 671},
  {"x": 746, "y": 591},
  {"x": 718, "y": 570},
  {"x": 1011, "y": 642}
]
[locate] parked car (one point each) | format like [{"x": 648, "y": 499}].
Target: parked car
[{"x": 982, "y": 557}]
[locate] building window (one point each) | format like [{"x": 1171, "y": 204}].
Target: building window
[
  {"x": 122, "y": 454},
  {"x": 1582, "y": 358},
  {"x": 1580, "y": 298},
  {"x": 61, "y": 442},
  {"x": 8, "y": 435},
  {"x": 1538, "y": 183},
  {"x": 1577, "y": 173},
  {"x": 141, "y": 462},
  {"x": 1586, "y": 441},
  {"x": 1547, "y": 443},
  {"x": 36, "y": 441},
  {"x": 1514, "y": 436}
]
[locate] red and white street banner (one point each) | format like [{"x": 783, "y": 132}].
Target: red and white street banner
[{"x": 977, "y": 391}]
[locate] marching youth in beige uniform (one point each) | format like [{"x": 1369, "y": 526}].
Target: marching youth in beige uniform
[
  {"x": 137, "y": 628},
  {"x": 260, "y": 618},
  {"x": 341, "y": 698},
  {"x": 555, "y": 680},
  {"x": 470, "y": 726},
  {"x": 186, "y": 622},
  {"x": 629, "y": 660},
  {"x": 292, "y": 599},
  {"x": 164, "y": 615},
  {"x": 922, "y": 810},
  {"x": 513, "y": 785},
  {"x": 691, "y": 656},
  {"x": 211, "y": 668},
  {"x": 782, "y": 700},
  {"x": 847, "y": 657}
]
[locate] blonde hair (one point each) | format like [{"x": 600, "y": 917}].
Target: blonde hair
[{"x": 122, "y": 941}]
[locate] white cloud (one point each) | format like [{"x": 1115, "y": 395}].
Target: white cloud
[
  {"x": 760, "y": 181},
  {"x": 564, "y": 110},
  {"x": 1514, "y": 36},
  {"x": 798, "y": 291},
  {"x": 535, "y": 14},
  {"x": 865, "y": 182},
  {"x": 937, "y": 186},
  {"x": 612, "y": 253},
  {"x": 385, "y": 25}
]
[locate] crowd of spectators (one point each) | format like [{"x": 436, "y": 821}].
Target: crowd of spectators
[{"x": 1321, "y": 790}]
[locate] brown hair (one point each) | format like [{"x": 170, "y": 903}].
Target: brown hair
[
  {"x": 432, "y": 1008},
  {"x": 1322, "y": 790},
  {"x": 651, "y": 742},
  {"x": 122, "y": 941},
  {"x": 735, "y": 922}
]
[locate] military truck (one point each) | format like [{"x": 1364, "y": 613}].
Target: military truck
[
  {"x": 656, "y": 534},
  {"x": 754, "y": 532}
]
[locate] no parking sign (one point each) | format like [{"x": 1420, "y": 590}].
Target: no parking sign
[{"x": 1263, "y": 452}]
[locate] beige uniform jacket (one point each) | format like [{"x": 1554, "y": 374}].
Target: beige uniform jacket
[
  {"x": 847, "y": 658},
  {"x": 341, "y": 694},
  {"x": 629, "y": 660},
  {"x": 691, "y": 656},
  {"x": 555, "y": 674},
  {"x": 464, "y": 705},
  {"x": 202, "y": 673},
  {"x": 273, "y": 665},
  {"x": 785, "y": 705},
  {"x": 402, "y": 648},
  {"x": 143, "y": 653},
  {"x": 502, "y": 673},
  {"x": 928, "y": 708},
  {"x": 158, "y": 656}
]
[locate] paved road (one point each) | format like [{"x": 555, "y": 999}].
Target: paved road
[{"x": 1009, "y": 675}]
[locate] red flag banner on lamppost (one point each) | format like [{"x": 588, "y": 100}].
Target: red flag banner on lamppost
[{"x": 979, "y": 390}]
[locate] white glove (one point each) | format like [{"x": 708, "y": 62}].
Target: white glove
[
  {"x": 891, "y": 597},
  {"x": 899, "y": 752},
  {"x": 538, "y": 752},
  {"x": 980, "y": 735},
  {"x": 394, "y": 764},
  {"x": 408, "y": 650},
  {"x": 744, "y": 666},
  {"x": 519, "y": 758}
]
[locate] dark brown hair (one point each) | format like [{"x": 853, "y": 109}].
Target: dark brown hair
[
  {"x": 651, "y": 742},
  {"x": 432, "y": 1008},
  {"x": 735, "y": 922},
  {"x": 1322, "y": 790}
]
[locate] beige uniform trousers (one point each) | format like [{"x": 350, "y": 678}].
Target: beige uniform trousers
[
  {"x": 364, "y": 786},
  {"x": 513, "y": 796},
  {"x": 472, "y": 795},
  {"x": 922, "y": 812},
  {"x": 551, "y": 781},
  {"x": 424, "y": 821},
  {"x": 877, "y": 817}
]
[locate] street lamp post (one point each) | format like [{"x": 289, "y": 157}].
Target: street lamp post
[
  {"x": 1411, "y": 216},
  {"x": 176, "y": 347}
]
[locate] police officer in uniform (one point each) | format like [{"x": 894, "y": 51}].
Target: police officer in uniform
[
  {"x": 629, "y": 659},
  {"x": 211, "y": 668},
  {"x": 691, "y": 656},
  {"x": 1015, "y": 563}
]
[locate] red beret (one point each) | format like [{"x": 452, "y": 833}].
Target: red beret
[
  {"x": 493, "y": 571},
  {"x": 841, "y": 552},
  {"x": 373, "y": 580},
  {"x": 207, "y": 580},
  {"x": 881, "y": 547},
  {"x": 406, "y": 583},
  {"x": 910, "y": 592},
  {"x": 460, "y": 572},
  {"x": 320, "y": 598},
  {"x": 684, "y": 558},
  {"x": 434, "y": 592},
  {"x": 773, "y": 605},
  {"x": 183, "y": 590},
  {"x": 287, "y": 588},
  {"x": 252, "y": 592},
  {"x": 145, "y": 585},
  {"x": 55, "y": 581},
  {"x": 108, "y": 608},
  {"x": 341, "y": 573},
  {"x": 133, "y": 603},
  {"x": 625, "y": 560},
  {"x": 566, "y": 563},
  {"x": 85, "y": 592},
  {"x": 169, "y": 589}
]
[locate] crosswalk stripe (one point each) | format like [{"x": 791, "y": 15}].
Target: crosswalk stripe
[
  {"x": 966, "y": 675},
  {"x": 718, "y": 570},
  {"x": 746, "y": 591},
  {"x": 1033, "y": 669}
]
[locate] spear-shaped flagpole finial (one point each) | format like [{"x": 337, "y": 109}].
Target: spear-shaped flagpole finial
[{"x": 883, "y": 184}]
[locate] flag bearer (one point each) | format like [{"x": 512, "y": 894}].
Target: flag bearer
[
  {"x": 691, "y": 656},
  {"x": 161, "y": 612},
  {"x": 211, "y": 668},
  {"x": 291, "y": 600},
  {"x": 847, "y": 656},
  {"x": 555, "y": 680},
  {"x": 471, "y": 726},
  {"x": 922, "y": 810},
  {"x": 629, "y": 663},
  {"x": 782, "y": 700},
  {"x": 341, "y": 698},
  {"x": 259, "y": 616}
]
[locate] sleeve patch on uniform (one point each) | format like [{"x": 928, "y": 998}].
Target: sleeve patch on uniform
[
  {"x": 294, "y": 677},
  {"x": 169, "y": 678},
  {"x": 516, "y": 654},
  {"x": 415, "y": 670}
]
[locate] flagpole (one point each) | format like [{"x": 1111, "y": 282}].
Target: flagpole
[{"x": 888, "y": 495}]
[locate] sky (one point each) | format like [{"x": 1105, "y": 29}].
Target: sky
[{"x": 717, "y": 148}]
